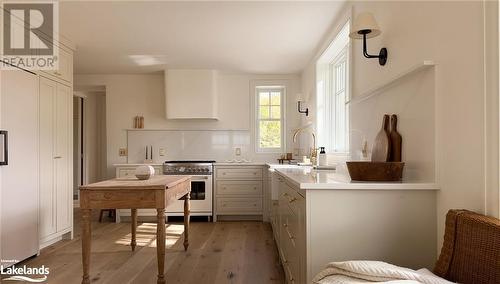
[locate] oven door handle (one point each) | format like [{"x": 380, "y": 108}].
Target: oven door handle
[{"x": 193, "y": 178}]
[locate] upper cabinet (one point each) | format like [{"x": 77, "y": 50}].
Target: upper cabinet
[
  {"x": 191, "y": 94},
  {"x": 64, "y": 72}
]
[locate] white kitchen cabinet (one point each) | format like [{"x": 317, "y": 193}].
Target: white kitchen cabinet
[
  {"x": 292, "y": 233},
  {"x": 64, "y": 72},
  {"x": 318, "y": 226},
  {"x": 56, "y": 160},
  {"x": 239, "y": 192}
]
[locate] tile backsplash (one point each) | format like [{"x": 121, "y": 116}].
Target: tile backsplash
[{"x": 219, "y": 145}]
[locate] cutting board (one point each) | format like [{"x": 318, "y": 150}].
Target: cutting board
[
  {"x": 396, "y": 140},
  {"x": 382, "y": 145}
]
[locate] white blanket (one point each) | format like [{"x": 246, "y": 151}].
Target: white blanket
[{"x": 374, "y": 271}]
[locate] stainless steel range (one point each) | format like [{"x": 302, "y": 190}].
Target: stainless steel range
[{"x": 201, "y": 186}]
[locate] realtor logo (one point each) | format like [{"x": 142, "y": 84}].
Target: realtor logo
[{"x": 29, "y": 34}]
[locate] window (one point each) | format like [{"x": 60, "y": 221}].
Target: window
[
  {"x": 332, "y": 87},
  {"x": 269, "y": 119}
]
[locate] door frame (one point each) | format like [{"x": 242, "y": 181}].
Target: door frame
[{"x": 82, "y": 175}]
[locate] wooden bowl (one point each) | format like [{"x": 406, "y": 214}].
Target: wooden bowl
[{"x": 375, "y": 171}]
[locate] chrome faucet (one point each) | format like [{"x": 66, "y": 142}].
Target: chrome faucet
[{"x": 314, "y": 150}]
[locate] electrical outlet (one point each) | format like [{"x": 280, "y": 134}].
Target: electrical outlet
[
  {"x": 162, "y": 152},
  {"x": 122, "y": 152},
  {"x": 237, "y": 151}
]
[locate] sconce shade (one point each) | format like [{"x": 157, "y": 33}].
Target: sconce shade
[{"x": 365, "y": 22}]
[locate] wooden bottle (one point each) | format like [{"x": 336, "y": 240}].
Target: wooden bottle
[
  {"x": 382, "y": 145},
  {"x": 396, "y": 140}
]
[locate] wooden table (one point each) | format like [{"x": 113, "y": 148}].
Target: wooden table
[{"x": 157, "y": 192}]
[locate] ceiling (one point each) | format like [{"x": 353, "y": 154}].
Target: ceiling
[{"x": 142, "y": 37}]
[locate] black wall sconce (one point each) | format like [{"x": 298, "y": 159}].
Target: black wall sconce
[
  {"x": 366, "y": 27},
  {"x": 306, "y": 111}
]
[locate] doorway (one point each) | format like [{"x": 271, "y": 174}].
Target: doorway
[
  {"x": 78, "y": 145},
  {"x": 89, "y": 138}
]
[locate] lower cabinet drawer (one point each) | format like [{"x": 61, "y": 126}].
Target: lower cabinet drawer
[
  {"x": 236, "y": 205},
  {"x": 126, "y": 172},
  {"x": 229, "y": 187},
  {"x": 292, "y": 259},
  {"x": 123, "y": 172},
  {"x": 241, "y": 173}
]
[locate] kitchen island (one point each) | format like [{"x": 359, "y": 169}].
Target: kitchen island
[
  {"x": 130, "y": 193},
  {"x": 322, "y": 216}
]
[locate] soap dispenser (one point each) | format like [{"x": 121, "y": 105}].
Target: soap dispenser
[{"x": 322, "y": 157}]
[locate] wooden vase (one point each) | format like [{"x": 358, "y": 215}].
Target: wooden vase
[{"x": 396, "y": 140}]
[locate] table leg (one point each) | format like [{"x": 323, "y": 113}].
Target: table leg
[
  {"x": 187, "y": 209},
  {"x": 133, "y": 242},
  {"x": 86, "y": 239},
  {"x": 160, "y": 245}
]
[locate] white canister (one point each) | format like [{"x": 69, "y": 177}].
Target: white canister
[{"x": 144, "y": 172}]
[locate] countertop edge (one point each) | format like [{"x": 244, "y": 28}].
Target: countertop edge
[
  {"x": 372, "y": 186},
  {"x": 255, "y": 164},
  {"x": 404, "y": 186},
  {"x": 137, "y": 164}
]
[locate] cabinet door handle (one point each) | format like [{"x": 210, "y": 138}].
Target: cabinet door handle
[
  {"x": 57, "y": 157},
  {"x": 285, "y": 225}
]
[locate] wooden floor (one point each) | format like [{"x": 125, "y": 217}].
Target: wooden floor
[{"x": 224, "y": 252}]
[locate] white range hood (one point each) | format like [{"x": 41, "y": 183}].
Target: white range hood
[{"x": 191, "y": 94}]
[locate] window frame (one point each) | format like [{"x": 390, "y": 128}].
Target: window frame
[
  {"x": 338, "y": 51},
  {"x": 257, "y": 120},
  {"x": 342, "y": 56}
]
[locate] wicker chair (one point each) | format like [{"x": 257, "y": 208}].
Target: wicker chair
[{"x": 471, "y": 249}]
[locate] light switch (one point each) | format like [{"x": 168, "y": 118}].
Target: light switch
[
  {"x": 237, "y": 151},
  {"x": 161, "y": 151},
  {"x": 122, "y": 152}
]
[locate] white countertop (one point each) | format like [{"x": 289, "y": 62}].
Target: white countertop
[
  {"x": 240, "y": 164},
  {"x": 136, "y": 165},
  {"x": 308, "y": 178}
]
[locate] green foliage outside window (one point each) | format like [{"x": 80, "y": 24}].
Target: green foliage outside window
[{"x": 269, "y": 119}]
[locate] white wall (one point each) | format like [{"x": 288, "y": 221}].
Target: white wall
[
  {"x": 451, "y": 34},
  {"x": 131, "y": 95}
]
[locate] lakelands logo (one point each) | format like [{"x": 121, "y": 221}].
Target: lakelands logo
[
  {"x": 26, "y": 274},
  {"x": 29, "y": 33}
]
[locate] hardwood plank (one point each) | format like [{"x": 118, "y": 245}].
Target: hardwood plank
[{"x": 224, "y": 252}]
